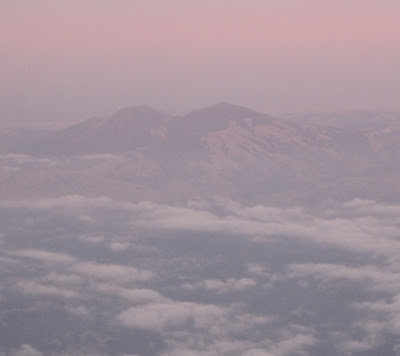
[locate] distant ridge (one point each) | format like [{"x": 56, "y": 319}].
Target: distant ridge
[
  {"x": 225, "y": 110},
  {"x": 221, "y": 149},
  {"x": 127, "y": 129},
  {"x": 138, "y": 127},
  {"x": 139, "y": 111}
]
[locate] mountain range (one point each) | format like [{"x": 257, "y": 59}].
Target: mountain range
[{"x": 226, "y": 150}]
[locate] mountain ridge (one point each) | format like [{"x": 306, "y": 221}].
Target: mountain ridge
[
  {"x": 223, "y": 149},
  {"x": 137, "y": 126}
]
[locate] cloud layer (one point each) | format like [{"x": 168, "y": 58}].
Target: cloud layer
[{"x": 204, "y": 278}]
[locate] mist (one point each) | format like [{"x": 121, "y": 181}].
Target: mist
[{"x": 72, "y": 60}]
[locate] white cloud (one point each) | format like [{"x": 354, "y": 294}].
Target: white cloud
[
  {"x": 92, "y": 239},
  {"x": 375, "y": 277},
  {"x": 166, "y": 316},
  {"x": 133, "y": 295},
  {"x": 353, "y": 226},
  {"x": 101, "y": 156},
  {"x": 65, "y": 202},
  {"x": 9, "y": 261},
  {"x": 259, "y": 270},
  {"x": 359, "y": 226},
  {"x": 20, "y": 159},
  {"x": 188, "y": 352},
  {"x": 63, "y": 279},
  {"x": 226, "y": 286},
  {"x": 291, "y": 341},
  {"x": 43, "y": 256},
  {"x": 117, "y": 246},
  {"x": 370, "y": 336},
  {"x": 112, "y": 272},
  {"x": 354, "y": 233},
  {"x": 34, "y": 288},
  {"x": 80, "y": 311},
  {"x": 257, "y": 352},
  {"x": 293, "y": 344},
  {"x": 198, "y": 329},
  {"x": 381, "y": 315},
  {"x": 25, "y": 350},
  {"x": 362, "y": 207}
]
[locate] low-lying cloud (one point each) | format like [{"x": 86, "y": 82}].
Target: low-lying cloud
[{"x": 137, "y": 265}]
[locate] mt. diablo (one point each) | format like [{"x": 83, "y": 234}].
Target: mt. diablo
[{"x": 141, "y": 153}]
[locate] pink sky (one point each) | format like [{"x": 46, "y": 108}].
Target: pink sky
[{"x": 73, "y": 59}]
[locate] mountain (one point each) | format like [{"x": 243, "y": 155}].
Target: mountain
[
  {"x": 127, "y": 130},
  {"x": 142, "y": 153},
  {"x": 229, "y": 126},
  {"x": 354, "y": 119}
]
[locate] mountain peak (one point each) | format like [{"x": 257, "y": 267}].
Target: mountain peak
[
  {"x": 140, "y": 111},
  {"x": 226, "y": 109},
  {"x": 223, "y": 105},
  {"x": 222, "y": 112}
]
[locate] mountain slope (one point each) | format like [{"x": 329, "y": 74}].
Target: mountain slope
[
  {"x": 127, "y": 130},
  {"x": 141, "y": 153}
]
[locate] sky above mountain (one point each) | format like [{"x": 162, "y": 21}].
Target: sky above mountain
[{"x": 73, "y": 59}]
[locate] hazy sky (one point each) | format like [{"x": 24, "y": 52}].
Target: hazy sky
[{"x": 70, "y": 59}]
